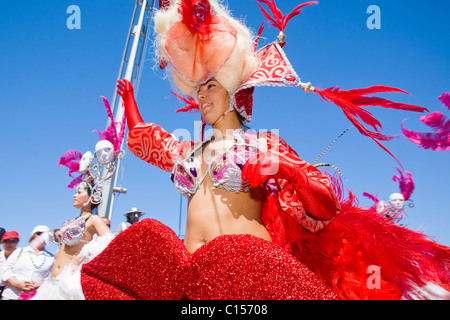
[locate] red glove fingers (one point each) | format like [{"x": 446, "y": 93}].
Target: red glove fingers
[{"x": 125, "y": 90}]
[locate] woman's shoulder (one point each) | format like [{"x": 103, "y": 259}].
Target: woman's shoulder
[{"x": 93, "y": 219}]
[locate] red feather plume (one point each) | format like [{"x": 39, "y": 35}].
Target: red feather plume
[
  {"x": 351, "y": 102},
  {"x": 279, "y": 20},
  {"x": 192, "y": 105},
  {"x": 357, "y": 239}
]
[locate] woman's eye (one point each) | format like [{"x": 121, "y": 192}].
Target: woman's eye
[{"x": 210, "y": 86}]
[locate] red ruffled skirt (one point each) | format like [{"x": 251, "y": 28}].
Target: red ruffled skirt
[{"x": 148, "y": 261}]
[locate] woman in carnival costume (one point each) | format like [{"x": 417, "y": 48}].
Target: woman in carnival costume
[
  {"x": 84, "y": 237},
  {"x": 262, "y": 223}
]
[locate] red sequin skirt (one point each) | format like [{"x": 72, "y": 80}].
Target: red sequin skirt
[{"x": 148, "y": 261}]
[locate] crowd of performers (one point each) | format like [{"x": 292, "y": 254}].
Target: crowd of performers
[{"x": 261, "y": 223}]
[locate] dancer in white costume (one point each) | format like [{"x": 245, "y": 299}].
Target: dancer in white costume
[{"x": 82, "y": 238}]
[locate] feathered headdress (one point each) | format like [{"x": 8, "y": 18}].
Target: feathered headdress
[
  {"x": 84, "y": 164},
  {"x": 200, "y": 40},
  {"x": 270, "y": 68}
]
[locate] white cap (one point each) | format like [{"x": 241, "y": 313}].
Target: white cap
[{"x": 40, "y": 229}]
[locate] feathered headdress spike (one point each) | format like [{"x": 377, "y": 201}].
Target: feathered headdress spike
[
  {"x": 278, "y": 20},
  {"x": 110, "y": 133},
  {"x": 406, "y": 183}
]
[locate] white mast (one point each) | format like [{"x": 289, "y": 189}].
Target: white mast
[{"x": 132, "y": 58}]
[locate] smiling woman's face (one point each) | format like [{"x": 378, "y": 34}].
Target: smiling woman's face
[{"x": 213, "y": 101}]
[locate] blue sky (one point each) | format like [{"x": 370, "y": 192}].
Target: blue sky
[{"x": 53, "y": 77}]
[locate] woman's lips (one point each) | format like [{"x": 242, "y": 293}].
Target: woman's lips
[{"x": 205, "y": 105}]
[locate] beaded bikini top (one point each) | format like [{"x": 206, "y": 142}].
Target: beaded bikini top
[
  {"x": 71, "y": 235},
  {"x": 224, "y": 172}
]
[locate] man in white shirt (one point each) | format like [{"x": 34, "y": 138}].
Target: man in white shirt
[{"x": 25, "y": 269}]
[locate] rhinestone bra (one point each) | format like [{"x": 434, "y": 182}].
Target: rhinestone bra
[
  {"x": 72, "y": 235},
  {"x": 224, "y": 172}
]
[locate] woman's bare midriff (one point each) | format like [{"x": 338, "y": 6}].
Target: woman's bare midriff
[
  {"x": 213, "y": 212},
  {"x": 66, "y": 255}
]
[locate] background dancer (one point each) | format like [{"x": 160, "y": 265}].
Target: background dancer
[{"x": 84, "y": 237}]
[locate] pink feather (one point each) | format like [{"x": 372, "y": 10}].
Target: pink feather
[
  {"x": 75, "y": 182},
  {"x": 440, "y": 139},
  {"x": 371, "y": 197},
  {"x": 110, "y": 133},
  {"x": 406, "y": 183},
  {"x": 121, "y": 135},
  {"x": 71, "y": 160},
  {"x": 430, "y": 141},
  {"x": 437, "y": 141},
  {"x": 445, "y": 98},
  {"x": 438, "y": 122},
  {"x": 108, "y": 108},
  {"x": 73, "y": 155}
]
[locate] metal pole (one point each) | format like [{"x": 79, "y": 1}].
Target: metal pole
[
  {"x": 105, "y": 209},
  {"x": 113, "y": 104},
  {"x": 132, "y": 59}
]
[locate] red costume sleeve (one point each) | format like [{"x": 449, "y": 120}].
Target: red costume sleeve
[
  {"x": 148, "y": 142},
  {"x": 156, "y": 146},
  {"x": 304, "y": 193}
]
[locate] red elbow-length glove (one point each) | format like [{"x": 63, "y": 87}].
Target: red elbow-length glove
[
  {"x": 318, "y": 199},
  {"x": 148, "y": 141},
  {"x": 125, "y": 90}
]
